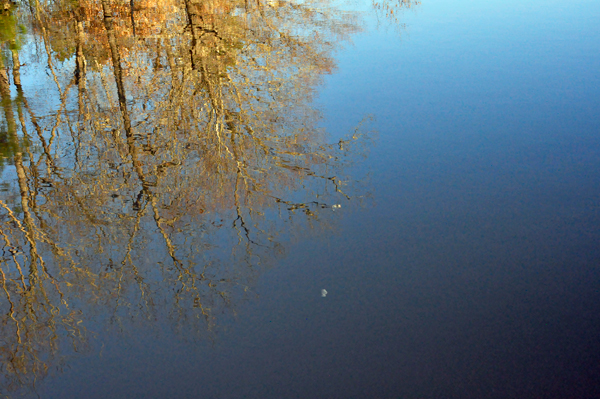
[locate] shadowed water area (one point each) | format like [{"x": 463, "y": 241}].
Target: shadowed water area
[{"x": 299, "y": 199}]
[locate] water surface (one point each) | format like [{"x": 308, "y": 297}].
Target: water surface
[{"x": 175, "y": 199}]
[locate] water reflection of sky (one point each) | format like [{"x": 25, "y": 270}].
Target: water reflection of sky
[{"x": 474, "y": 274}]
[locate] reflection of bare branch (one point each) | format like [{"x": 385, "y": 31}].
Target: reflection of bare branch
[{"x": 154, "y": 188}]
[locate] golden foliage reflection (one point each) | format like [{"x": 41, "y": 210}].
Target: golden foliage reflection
[{"x": 154, "y": 157}]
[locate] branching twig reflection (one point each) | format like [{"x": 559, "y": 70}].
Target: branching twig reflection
[{"x": 149, "y": 187}]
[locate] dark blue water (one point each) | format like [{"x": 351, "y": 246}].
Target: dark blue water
[{"x": 468, "y": 266}]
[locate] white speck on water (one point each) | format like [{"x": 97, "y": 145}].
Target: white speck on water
[{"x": 323, "y": 293}]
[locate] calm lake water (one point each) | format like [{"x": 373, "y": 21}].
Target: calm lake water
[{"x": 174, "y": 199}]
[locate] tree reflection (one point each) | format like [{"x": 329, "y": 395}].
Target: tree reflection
[{"x": 171, "y": 154}]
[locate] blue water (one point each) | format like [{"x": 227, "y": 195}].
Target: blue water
[{"x": 472, "y": 271}]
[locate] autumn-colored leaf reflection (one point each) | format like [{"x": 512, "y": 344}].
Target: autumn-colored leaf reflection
[{"x": 155, "y": 156}]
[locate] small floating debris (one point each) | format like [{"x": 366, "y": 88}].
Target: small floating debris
[
  {"x": 336, "y": 206},
  {"x": 323, "y": 293}
]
